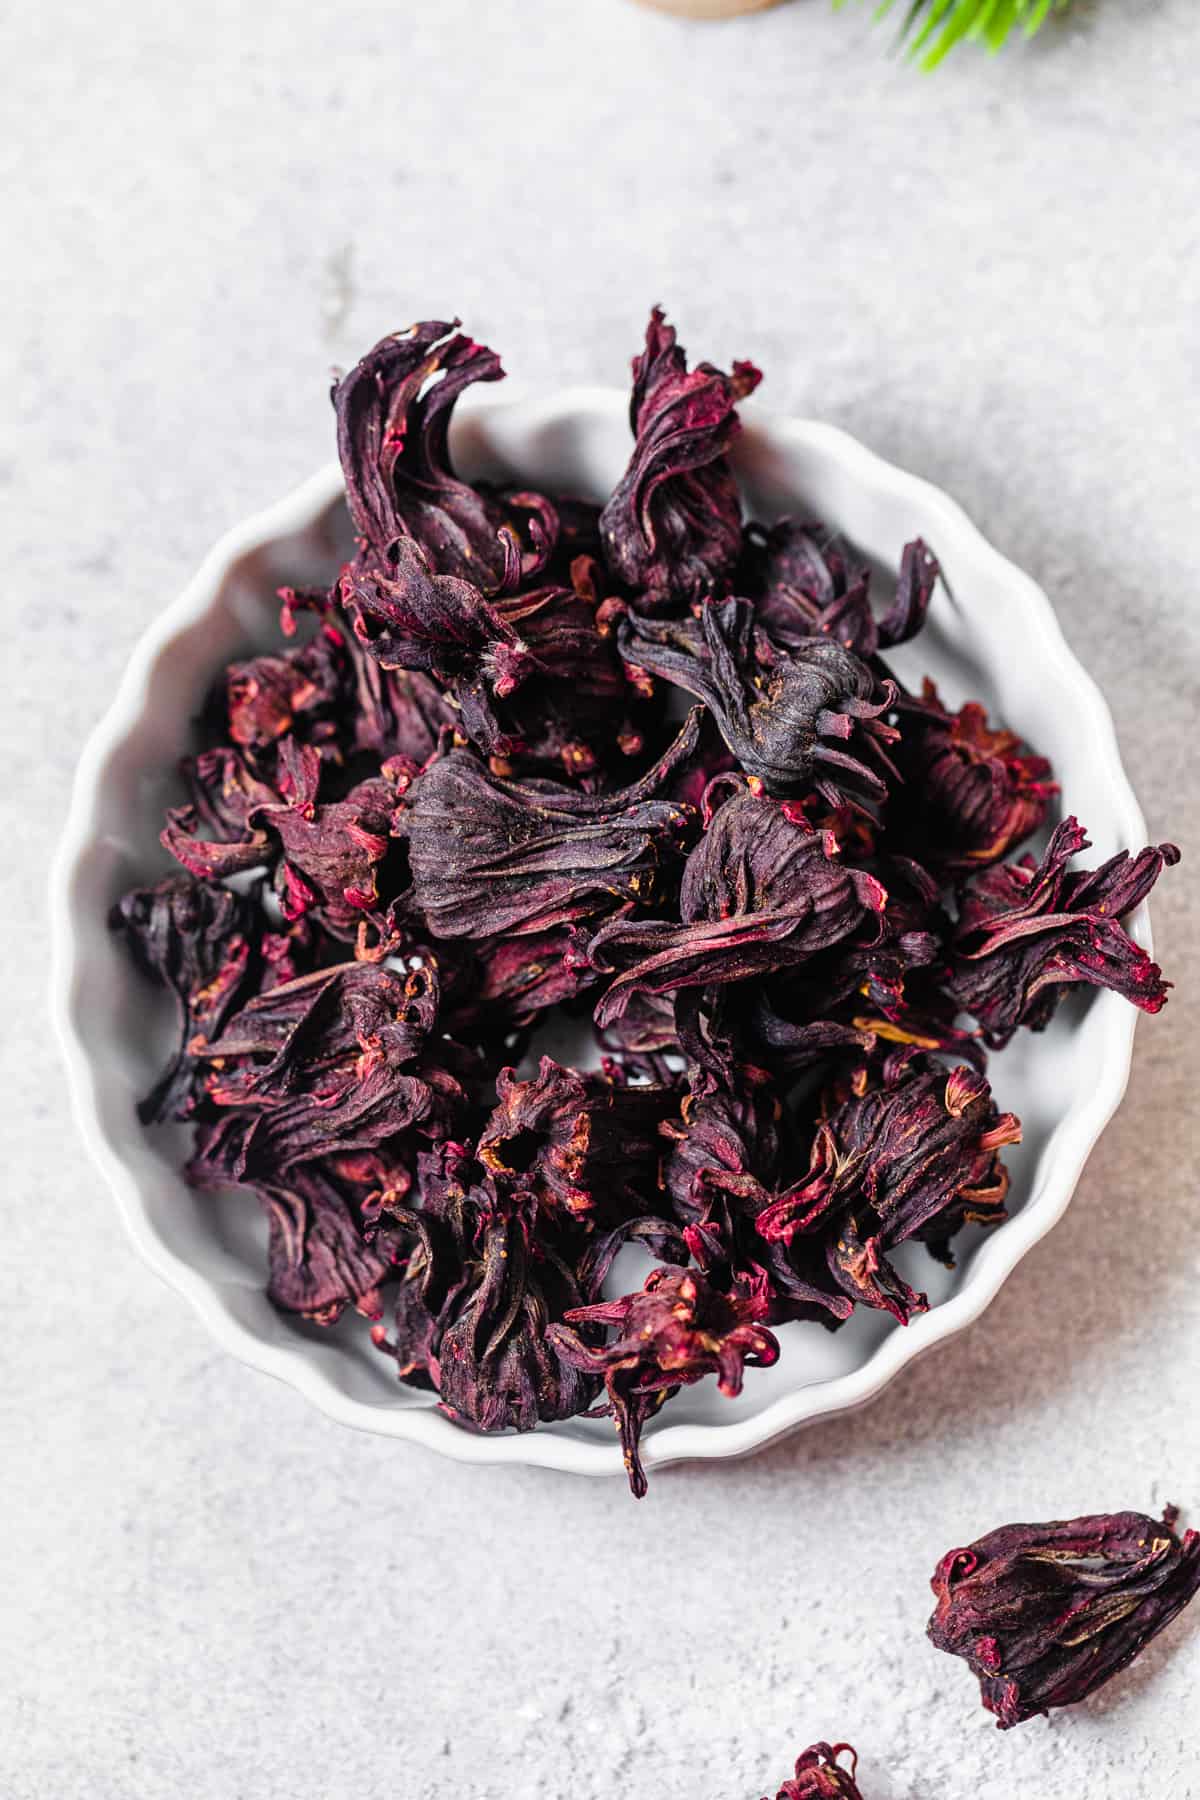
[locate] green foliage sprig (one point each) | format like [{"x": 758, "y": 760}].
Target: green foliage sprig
[{"x": 932, "y": 28}]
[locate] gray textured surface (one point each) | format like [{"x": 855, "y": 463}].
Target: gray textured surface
[{"x": 991, "y": 278}]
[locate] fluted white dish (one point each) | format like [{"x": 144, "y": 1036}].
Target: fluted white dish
[{"x": 991, "y": 635}]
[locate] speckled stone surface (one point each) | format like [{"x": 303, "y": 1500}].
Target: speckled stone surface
[{"x": 208, "y": 1590}]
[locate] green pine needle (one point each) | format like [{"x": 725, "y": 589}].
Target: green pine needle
[{"x": 931, "y": 28}]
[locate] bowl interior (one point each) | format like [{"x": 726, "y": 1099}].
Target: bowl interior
[{"x": 990, "y": 637}]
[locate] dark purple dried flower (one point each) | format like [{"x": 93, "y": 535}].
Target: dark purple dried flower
[
  {"x": 401, "y": 713},
  {"x": 318, "y": 1254},
  {"x": 291, "y": 694},
  {"x": 675, "y": 1331},
  {"x": 911, "y": 1155},
  {"x": 972, "y": 793},
  {"x": 523, "y": 976},
  {"x": 491, "y": 857},
  {"x": 526, "y": 672},
  {"x": 406, "y": 616},
  {"x": 211, "y": 835},
  {"x": 574, "y": 701},
  {"x": 200, "y": 942},
  {"x": 393, "y": 412},
  {"x": 758, "y": 894},
  {"x": 389, "y": 712},
  {"x": 820, "y": 1776},
  {"x": 672, "y": 530},
  {"x": 805, "y": 584},
  {"x": 580, "y": 1143},
  {"x": 727, "y": 1144},
  {"x": 723, "y": 1175},
  {"x": 344, "y": 1059},
  {"x": 1046, "y": 1614},
  {"x": 1028, "y": 930},
  {"x": 869, "y": 988},
  {"x": 782, "y": 715},
  {"x": 475, "y": 1302},
  {"x": 496, "y": 1365},
  {"x": 331, "y": 851}
]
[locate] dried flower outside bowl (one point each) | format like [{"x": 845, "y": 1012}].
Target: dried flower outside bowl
[{"x": 1064, "y": 1083}]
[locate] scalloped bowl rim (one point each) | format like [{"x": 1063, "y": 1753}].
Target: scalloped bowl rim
[{"x": 1073, "y": 1139}]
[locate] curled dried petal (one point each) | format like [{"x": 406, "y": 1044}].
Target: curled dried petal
[
  {"x": 343, "y": 1059},
  {"x": 723, "y": 1174},
  {"x": 759, "y": 893},
  {"x": 672, "y": 529},
  {"x": 318, "y": 1255},
  {"x": 496, "y": 1363},
  {"x": 1027, "y": 931},
  {"x": 973, "y": 793},
  {"x": 820, "y": 1775},
  {"x": 805, "y": 582},
  {"x": 913, "y": 1154},
  {"x": 675, "y": 1331},
  {"x": 393, "y": 413},
  {"x": 579, "y": 1143}
]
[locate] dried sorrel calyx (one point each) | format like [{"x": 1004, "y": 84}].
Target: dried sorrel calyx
[
  {"x": 344, "y": 1059},
  {"x": 527, "y": 674},
  {"x": 1046, "y": 1614},
  {"x": 581, "y": 1143},
  {"x": 806, "y": 719},
  {"x": 494, "y": 858},
  {"x": 676, "y": 1330},
  {"x": 820, "y": 1775},
  {"x": 730, "y": 1147},
  {"x": 972, "y": 794},
  {"x": 393, "y": 414},
  {"x": 806, "y": 584},
  {"x": 672, "y": 530},
  {"x": 910, "y": 1153},
  {"x": 1028, "y": 930},
  {"x": 759, "y": 893},
  {"x": 199, "y": 941}
]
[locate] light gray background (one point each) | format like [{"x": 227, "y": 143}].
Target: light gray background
[{"x": 991, "y": 277}]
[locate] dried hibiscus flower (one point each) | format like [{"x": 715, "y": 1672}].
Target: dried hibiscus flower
[
  {"x": 1027, "y": 931},
  {"x": 672, "y": 530},
  {"x": 820, "y": 1776},
  {"x": 1046, "y": 1614},
  {"x": 344, "y": 1059},
  {"x": 799, "y": 721},
  {"x": 758, "y": 893},
  {"x": 973, "y": 793},
  {"x": 676, "y": 1330},
  {"x": 454, "y": 821},
  {"x": 528, "y": 673},
  {"x": 730, "y": 1148},
  {"x": 199, "y": 941},
  {"x": 493, "y": 858},
  {"x": 393, "y": 415},
  {"x": 495, "y": 1365},
  {"x": 581, "y": 1143},
  {"x": 804, "y": 584},
  {"x": 320, "y": 1256},
  {"x": 912, "y": 1154}
]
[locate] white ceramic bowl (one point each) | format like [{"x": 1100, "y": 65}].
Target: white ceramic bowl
[{"x": 992, "y": 635}]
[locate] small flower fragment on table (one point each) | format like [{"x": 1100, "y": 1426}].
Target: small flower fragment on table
[
  {"x": 641, "y": 764},
  {"x": 822, "y": 1774}
]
